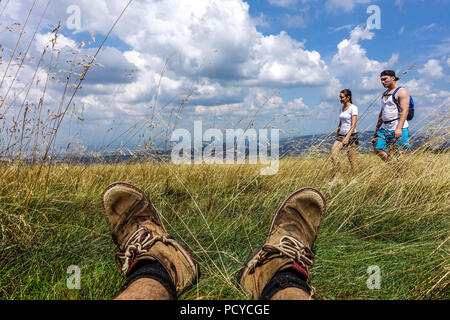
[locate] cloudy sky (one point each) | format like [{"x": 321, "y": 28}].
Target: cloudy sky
[{"x": 230, "y": 63}]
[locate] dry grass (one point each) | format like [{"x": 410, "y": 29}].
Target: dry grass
[
  {"x": 50, "y": 214},
  {"x": 222, "y": 213}
]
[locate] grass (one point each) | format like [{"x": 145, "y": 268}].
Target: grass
[
  {"x": 222, "y": 213},
  {"x": 51, "y": 217}
]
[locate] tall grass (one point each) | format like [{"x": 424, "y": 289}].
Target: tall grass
[
  {"x": 223, "y": 213},
  {"x": 50, "y": 212}
]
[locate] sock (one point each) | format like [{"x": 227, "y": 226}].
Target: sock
[
  {"x": 151, "y": 269},
  {"x": 295, "y": 276}
]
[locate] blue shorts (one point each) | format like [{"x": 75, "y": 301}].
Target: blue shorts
[{"x": 385, "y": 139}]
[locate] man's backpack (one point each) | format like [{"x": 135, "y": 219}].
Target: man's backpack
[{"x": 411, "y": 105}]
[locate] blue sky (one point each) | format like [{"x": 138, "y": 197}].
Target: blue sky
[
  {"x": 424, "y": 24},
  {"x": 233, "y": 64},
  {"x": 416, "y": 30}
]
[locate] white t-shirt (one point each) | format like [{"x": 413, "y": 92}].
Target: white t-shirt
[
  {"x": 389, "y": 111},
  {"x": 346, "y": 118}
]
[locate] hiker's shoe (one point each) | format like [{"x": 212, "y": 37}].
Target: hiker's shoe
[
  {"x": 292, "y": 233},
  {"x": 137, "y": 229}
]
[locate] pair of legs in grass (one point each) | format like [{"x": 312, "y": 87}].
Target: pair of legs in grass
[
  {"x": 391, "y": 149},
  {"x": 150, "y": 289},
  {"x": 351, "y": 154},
  {"x": 160, "y": 267}
]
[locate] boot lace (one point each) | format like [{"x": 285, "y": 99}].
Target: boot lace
[
  {"x": 138, "y": 244},
  {"x": 289, "y": 247}
]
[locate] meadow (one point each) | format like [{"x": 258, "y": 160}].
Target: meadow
[{"x": 51, "y": 219}]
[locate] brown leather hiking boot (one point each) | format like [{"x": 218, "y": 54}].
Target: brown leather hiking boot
[
  {"x": 292, "y": 233},
  {"x": 139, "y": 232}
]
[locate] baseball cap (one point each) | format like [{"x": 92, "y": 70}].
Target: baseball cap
[{"x": 390, "y": 73}]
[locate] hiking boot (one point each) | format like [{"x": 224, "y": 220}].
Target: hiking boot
[
  {"x": 137, "y": 229},
  {"x": 292, "y": 233}
]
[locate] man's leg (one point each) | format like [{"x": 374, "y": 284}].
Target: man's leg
[
  {"x": 403, "y": 146},
  {"x": 291, "y": 294},
  {"x": 148, "y": 280},
  {"x": 401, "y": 165},
  {"x": 380, "y": 145},
  {"x": 278, "y": 270},
  {"x": 145, "y": 289},
  {"x": 382, "y": 154},
  {"x": 157, "y": 266}
]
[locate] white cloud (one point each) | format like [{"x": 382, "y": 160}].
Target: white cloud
[
  {"x": 429, "y": 101},
  {"x": 326, "y": 110},
  {"x": 448, "y": 62},
  {"x": 295, "y": 21},
  {"x": 428, "y": 27},
  {"x": 399, "y": 3},
  {"x": 215, "y": 51},
  {"x": 297, "y": 105},
  {"x": 256, "y": 101},
  {"x": 281, "y": 60},
  {"x": 346, "y": 5},
  {"x": 352, "y": 65},
  {"x": 284, "y": 3},
  {"x": 331, "y": 91},
  {"x": 359, "y": 33},
  {"x": 432, "y": 70},
  {"x": 237, "y": 109},
  {"x": 218, "y": 40},
  {"x": 62, "y": 42},
  {"x": 114, "y": 67},
  {"x": 346, "y": 27},
  {"x": 205, "y": 39},
  {"x": 261, "y": 21}
]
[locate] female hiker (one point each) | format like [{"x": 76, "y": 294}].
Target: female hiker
[{"x": 346, "y": 133}]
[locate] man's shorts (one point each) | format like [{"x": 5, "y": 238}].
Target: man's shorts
[{"x": 385, "y": 140}]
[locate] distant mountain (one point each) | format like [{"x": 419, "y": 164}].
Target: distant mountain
[
  {"x": 287, "y": 147},
  {"x": 322, "y": 143}
]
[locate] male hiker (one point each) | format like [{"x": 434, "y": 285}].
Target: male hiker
[
  {"x": 159, "y": 267},
  {"x": 391, "y": 133}
]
